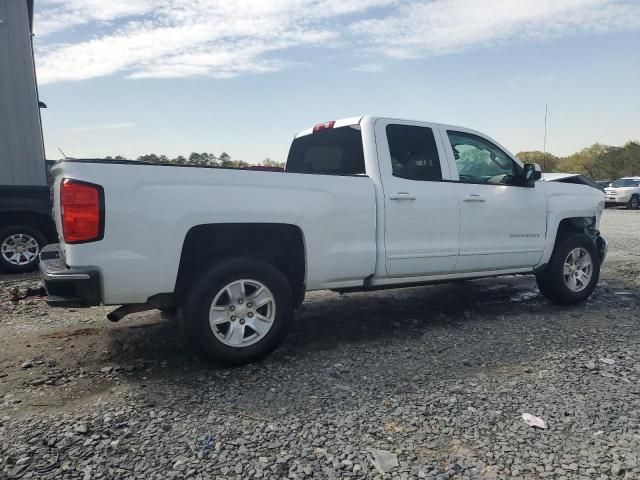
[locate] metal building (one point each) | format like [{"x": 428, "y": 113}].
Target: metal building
[{"x": 21, "y": 144}]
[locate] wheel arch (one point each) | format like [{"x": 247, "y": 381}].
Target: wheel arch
[
  {"x": 565, "y": 227},
  {"x": 280, "y": 244},
  {"x": 39, "y": 221}
]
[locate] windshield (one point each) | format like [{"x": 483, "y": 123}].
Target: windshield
[{"x": 626, "y": 182}]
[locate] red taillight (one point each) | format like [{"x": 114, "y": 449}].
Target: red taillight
[
  {"x": 324, "y": 126},
  {"x": 81, "y": 206}
]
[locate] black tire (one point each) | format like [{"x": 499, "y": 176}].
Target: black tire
[
  {"x": 551, "y": 281},
  {"x": 5, "y": 235},
  {"x": 169, "y": 313},
  {"x": 298, "y": 298},
  {"x": 633, "y": 203},
  {"x": 194, "y": 318}
]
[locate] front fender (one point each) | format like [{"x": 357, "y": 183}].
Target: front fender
[{"x": 574, "y": 207}]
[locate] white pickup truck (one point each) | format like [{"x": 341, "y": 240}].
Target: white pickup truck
[{"x": 364, "y": 203}]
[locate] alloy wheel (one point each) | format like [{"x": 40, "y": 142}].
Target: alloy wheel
[
  {"x": 578, "y": 269},
  {"x": 242, "y": 313},
  {"x": 20, "y": 249}
]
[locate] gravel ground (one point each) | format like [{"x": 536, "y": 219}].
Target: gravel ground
[{"x": 436, "y": 378}]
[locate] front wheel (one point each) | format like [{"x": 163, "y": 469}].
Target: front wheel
[
  {"x": 20, "y": 247},
  {"x": 237, "y": 312},
  {"x": 633, "y": 203},
  {"x": 572, "y": 272}
]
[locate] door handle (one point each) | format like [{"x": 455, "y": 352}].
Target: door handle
[
  {"x": 402, "y": 196},
  {"x": 474, "y": 197}
]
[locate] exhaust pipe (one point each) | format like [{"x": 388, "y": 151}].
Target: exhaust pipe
[{"x": 17, "y": 295}]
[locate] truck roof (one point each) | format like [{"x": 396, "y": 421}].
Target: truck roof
[
  {"x": 345, "y": 122},
  {"x": 352, "y": 121}
]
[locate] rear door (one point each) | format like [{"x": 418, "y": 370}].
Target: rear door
[
  {"x": 502, "y": 224},
  {"x": 421, "y": 203}
]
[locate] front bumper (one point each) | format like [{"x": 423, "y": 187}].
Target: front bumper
[
  {"x": 616, "y": 199},
  {"x": 603, "y": 247},
  {"x": 67, "y": 286}
]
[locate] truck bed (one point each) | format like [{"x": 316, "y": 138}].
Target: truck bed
[{"x": 336, "y": 213}]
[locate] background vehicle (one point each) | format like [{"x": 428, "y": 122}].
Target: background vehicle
[
  {"x": 624, "y": 191},
  {"x": 25, "y": 204},
  {"x": 365, "y": 203},
  {"x": 26, "y": 225}
]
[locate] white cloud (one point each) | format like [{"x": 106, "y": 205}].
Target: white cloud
[
  {"x": 221, "y": 38},
  {"x": 189, "y": 37},
  {"x": 60, "y": 15},
  {"x": 107, "y": 126},
  {"x": 418, "y": 29}
]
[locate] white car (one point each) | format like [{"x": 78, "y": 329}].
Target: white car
[
  {"x": 365, "y": 203},
  {"x": 625, "y": 191}
]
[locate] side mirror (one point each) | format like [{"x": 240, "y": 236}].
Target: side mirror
[{"x": 531, "y": 174}]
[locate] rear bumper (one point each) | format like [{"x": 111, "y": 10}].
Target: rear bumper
[{"x": 67, "y": 286}]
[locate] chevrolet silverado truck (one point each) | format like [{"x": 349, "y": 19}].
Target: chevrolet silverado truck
[
  {"x": 364, "y": 203},
  {"x": 624, "y": 192}
]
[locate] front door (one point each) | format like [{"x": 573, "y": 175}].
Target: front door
[
  {"x": 502, "y": 223},
  {"x": 421, "y": 204}
]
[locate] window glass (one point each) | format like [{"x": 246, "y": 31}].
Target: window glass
[
  {"x": 333, "y": 151},
  {"x": 480, "y": 161},
  {"x": 626, "y": 182},
  {"x": 414, "y": 154}
]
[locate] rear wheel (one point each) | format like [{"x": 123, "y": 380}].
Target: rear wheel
[
  {"x": 238, "y": 311},
  {"x": 573, "y": 271},
  {"x": 20, "y": 247},
  {"x": 633, "y": 203}
]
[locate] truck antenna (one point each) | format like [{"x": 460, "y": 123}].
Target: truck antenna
[{"x": 63, "y": 154}]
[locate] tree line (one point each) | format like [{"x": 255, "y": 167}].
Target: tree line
[
  {"x": 599, "y": 162},
  {"x": 202, "y": 160}
]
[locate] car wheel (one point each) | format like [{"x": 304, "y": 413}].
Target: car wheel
[
  {"x": 238, "y": 311},
  {"x": 634, "y": 203},
  {"x": 572, "y": 272},
  {"x": 20, "y": 247}
]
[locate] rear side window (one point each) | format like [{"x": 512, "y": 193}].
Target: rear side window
[
  {"x": 333, "y": 151},
  {"x": 414, "y": 154}
]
